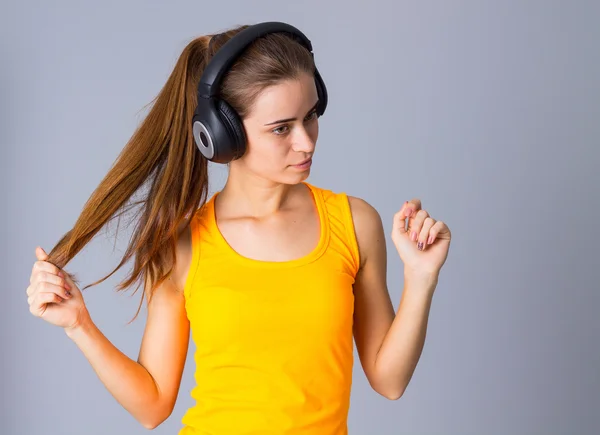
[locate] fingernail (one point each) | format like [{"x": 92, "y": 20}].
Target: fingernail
[
  {"x": 62, "y": 275},
  {"x": 420, "y": 246},
  {"x": 430, "y": 240},
  {"x": 68, "y": 293},
  {"x": 413, "y": 236}
]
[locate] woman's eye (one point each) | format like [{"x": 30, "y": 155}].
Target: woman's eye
[
  {"x": 312, "y": 115},
  {"x": 279, "y": 130},
  {"x": 284, "y": 128}
]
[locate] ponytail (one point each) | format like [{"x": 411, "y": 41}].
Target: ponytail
[{"x": 161, "y": 163}]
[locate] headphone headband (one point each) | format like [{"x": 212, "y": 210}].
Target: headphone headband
[{"x": 234, "y": 47}]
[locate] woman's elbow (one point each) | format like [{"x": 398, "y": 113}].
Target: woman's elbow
[
  {"x": 153, "y": 423},
  {"x": 157, "y": 417},
  {"x": 393, "y": 396},
  {"x": 387, "y": 390}
]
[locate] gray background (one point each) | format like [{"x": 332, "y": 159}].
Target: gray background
[{"x": 487, "y": 111}]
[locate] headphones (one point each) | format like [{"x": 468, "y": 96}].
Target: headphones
[{"x": 216, "y": 126}]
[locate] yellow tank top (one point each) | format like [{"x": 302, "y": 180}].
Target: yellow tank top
[{"x": 274, "y": 344}]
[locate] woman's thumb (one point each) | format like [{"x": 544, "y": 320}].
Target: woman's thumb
[{"x": 40, "y": 253}]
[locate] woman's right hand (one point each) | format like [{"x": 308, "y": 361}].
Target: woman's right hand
[{"x": 53, "y": 296}]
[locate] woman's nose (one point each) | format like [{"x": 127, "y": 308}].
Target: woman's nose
[{"x": 303, "y": 141}]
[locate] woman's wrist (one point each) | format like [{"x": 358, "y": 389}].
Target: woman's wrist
[{"x": 82, "y": 326}]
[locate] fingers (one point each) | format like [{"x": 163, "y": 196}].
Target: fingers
[
  {"x": 422, "y": 228},
  {"x": 412, "y": 208},
  {"x": 416, "y": 223},
  {"x": 46, "y": 287},
  {"x": 401, "y": 215},
  {"x": 425, "y": 233},
  {"x": 45, "y": 271},
  {"x": 436, "y": 230},
  {"x": 46, "y": 277},
  {"x": 43, "y": 266},
  {"x": 48, "y": 282},
  {"x": 49, "y": 277},
  {"x": 39, "y": 302},
  {"x": 415, "y": 204}
]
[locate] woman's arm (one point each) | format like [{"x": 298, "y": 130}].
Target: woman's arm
[
  {"x": 389, "y": 344},
  {"x": 148, "y": 388}
]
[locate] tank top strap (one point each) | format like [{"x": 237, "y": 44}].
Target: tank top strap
[{"x": 341, "y": 224}]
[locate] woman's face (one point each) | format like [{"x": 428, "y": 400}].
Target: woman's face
[{"x": 282, "y": 131}]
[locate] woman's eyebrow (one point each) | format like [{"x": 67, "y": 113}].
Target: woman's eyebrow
[{"x": 293, "y": 119}]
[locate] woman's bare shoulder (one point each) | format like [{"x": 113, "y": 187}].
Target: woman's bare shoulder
[
  {"x": 368, "y": 226},
  {"x": 183, "y": 255}
]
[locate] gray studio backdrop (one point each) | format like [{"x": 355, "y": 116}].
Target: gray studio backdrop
[{"x": 486, "y": 110}]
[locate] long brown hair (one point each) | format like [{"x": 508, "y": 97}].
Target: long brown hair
[{"x": 162, "y": 160}]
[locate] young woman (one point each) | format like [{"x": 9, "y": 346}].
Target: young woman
[{"x": 274, "y": 276}]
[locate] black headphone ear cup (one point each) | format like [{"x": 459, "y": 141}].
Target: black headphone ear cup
[
  {"x": 321, "y": 92},
  {"x": 235, "y": 129}
]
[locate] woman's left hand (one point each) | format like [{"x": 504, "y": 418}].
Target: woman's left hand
[{"x": 423, "y": 246}]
